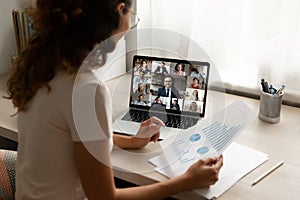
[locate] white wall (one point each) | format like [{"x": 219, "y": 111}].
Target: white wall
[
  {"x": 8, "y": 41},
  {"x": 7, "y": 34}
]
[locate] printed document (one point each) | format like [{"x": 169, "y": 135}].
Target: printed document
[{"x": 210, "y": 137}]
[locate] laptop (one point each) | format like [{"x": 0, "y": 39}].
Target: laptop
[{"x": 172, "y": 90}]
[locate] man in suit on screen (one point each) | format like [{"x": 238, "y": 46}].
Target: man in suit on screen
[{"x": 168, "y": 90}]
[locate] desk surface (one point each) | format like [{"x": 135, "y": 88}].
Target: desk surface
[
  {"x": 8, "y": 127},
  {"x": 280, "y": 141}
]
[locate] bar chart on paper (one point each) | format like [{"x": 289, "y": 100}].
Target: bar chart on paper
[
  {"x": 209, "y": 138},
  {"x": 220, "y": 134}
]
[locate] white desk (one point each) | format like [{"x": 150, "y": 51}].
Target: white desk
[
  {"x": 8, "y": 127},
  {"x": 281, "y": 141}
]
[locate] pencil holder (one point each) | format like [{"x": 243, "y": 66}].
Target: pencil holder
[{"x": 270, "y": 107}]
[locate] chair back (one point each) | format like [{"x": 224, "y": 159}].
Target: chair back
[{"x": 7, "y": 174}]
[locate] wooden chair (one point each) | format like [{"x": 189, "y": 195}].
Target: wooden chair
[{"x": 7, "y": 174}]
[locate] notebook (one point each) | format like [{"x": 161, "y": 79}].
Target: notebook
[{"x": 172, "y": 90}]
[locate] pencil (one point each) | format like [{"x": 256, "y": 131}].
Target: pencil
[{"x": 264, "y": 175}]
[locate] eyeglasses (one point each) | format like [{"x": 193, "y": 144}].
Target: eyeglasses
[{"x": 134, "y": 19}]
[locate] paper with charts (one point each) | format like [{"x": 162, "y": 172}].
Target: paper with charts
[{"x": 210, "y": 137}]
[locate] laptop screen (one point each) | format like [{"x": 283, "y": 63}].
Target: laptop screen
[{"x": 169, "y": 85}]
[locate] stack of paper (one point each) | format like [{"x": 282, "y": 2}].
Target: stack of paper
[
  {"x": 210, "y": 138},
  {"x": 239, "y": 160}
]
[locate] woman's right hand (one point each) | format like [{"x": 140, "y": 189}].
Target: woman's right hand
[{"x": 204, "y": 172}]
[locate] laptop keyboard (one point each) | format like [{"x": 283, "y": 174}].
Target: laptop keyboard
[{"x": 175, "y": 121}]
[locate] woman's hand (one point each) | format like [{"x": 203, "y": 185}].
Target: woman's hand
[
  {"x": 148, "y": 131},
  {"x": 204, "y": 172}
]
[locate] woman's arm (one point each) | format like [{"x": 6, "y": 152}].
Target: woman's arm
[
  {"x": 95, "y": 173},
  {"x": 97, "y": 176},
  {"x": 149, "y": 131},
  {"x": 129, "y": 142},
  {"x": 201, "y": 174}
]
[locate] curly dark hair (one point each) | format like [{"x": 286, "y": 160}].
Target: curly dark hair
[
  {"x": 176, "y": 67},
  {"x": 65, "y": 32}
]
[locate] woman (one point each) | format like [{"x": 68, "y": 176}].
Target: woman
[
  {"x": 142, "y": 67},
  {"x": 179, "y": 69},
  {"x": 145, "y": 67},
  {"x": 140, "y": 89},
  {"x": 195, "y": 96},
  {"x": 194, "y": 71},
  {"x": 54, "y": 161},
  {"x": 193, "y": 106},
  {"x": 195, "y": 84}
]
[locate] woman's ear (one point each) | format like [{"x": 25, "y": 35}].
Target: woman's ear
[{"x": 121, "y": 8}]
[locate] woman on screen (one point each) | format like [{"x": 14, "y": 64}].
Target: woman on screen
[
  {"x": 195, "y": 84},
  {"x": 193, "y": 107},
  {"x": 195, "y": 96},
  {"x": 179, "y": 70}
]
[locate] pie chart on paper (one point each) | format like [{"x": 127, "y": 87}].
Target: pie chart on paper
[{"x": 195, "y": 137}]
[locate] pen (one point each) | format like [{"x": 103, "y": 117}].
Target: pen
[
  {"x": 272, "y": 89},
  {"x": 280, "y": 89},
  {"x": 263, "y": 86},
  {"x": 264, "y": 175},
  {"x": 267, "y": 86}
]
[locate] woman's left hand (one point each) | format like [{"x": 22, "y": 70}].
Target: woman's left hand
[{"x": 148, "y": 131}]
